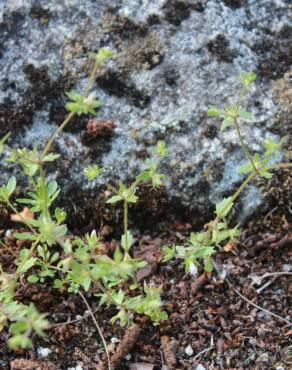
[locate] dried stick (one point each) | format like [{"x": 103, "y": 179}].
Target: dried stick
[{"x": 98, "y": 329}]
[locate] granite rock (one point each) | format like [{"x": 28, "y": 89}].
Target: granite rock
[{"x": 173, "y": 58}]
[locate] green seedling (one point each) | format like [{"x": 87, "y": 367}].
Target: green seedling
[
  {"x": 202, "y": 246},
  {"x": 81, "y": 266}
]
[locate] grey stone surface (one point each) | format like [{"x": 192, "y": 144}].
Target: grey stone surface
[{"x": 172, "y": 60}]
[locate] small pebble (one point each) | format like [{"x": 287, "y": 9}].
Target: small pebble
[
  {"x": 193, "y": 269},
  {"x": 200, "y": 367},
  {"x": 115, "y": 340},
  {"x": 189, "y": 351},
  {"x": 44, "y": 352},
  {"x": 78, "y": 367},
  {"x": 8, "y": 233}
]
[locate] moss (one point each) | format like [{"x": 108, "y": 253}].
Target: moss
[
  {"x": 115, "y": 83},
  {"x": 175, "y": 11},
  {"x": 275, "y": 53},
  {"x": 42, "y": 90},
  {"x": 219, "y": 47},
  {"x": 234, "y": 4},
  {"x": 40, "y": 13}
]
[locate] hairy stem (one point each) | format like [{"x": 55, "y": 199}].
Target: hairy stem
[
  {"x": 71, "y": 115},
  {"x": 244, "y": 147},
  {"x": 126, "y": 209},
  {"x": 248, "y": 180},
  {"x": 237, "y": 193},
  {"x": 57, "y": 133}
]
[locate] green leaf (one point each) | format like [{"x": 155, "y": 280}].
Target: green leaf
[
  {"x": 25, "y": 236},
  {"x": 3, "y": 141},
  {"x": 227, "y": 122},
  {"x": 273, "y": 148},
  {"x": 114, "y": 199},
  {"x": 224, "y": 207},
  {"x": 51, "y": 157},
  {"x": 208, "y": 266},
  {"x": 82, "y": 105},
  {"x": 127, "y": 242},
  {"x": 11, "y": 185},
  {"x": 161, "y": 149},
  {"x": 58, "y": 283},
  {"x": 119, "y": 298},
  {"x": 104, "y": 54},
  {"x": 266, "y": 174},
  {"x": 24, "y": 267},
  {"x": 74, "y": 95},
  {"x": 245, "y": 115},
  {"x": 132, "y": 198},
  {"x": 19, "y": 327},
  {"x": 54, "y": 257},
  {"x": 86, "y": 283},
  {"x": 144, "y": 176},
  {"x": 32, "y": 279},
  {"x": 67, "y": 247},
  {"x": 247, "y": 78},
  {"x": 245, "y": 168},
  {"x": 92, "y": 172},
  {"x": 60, "y": 215},
  {"x": 19, "y": 341},
  {"x": 118, "y": 255},
  {"x": 214, "y": 112},
  {"x": 168, "y": 252},
  {"x": 181, "y": 250}
]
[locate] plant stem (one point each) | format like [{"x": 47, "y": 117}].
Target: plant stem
[
  {"x": 237, "y": 193},
  {"x": 91, "y": 79},
  {"x": 57, "y": 133},
  {"x": 248, "y": 180},
  {"x": 126, "y": 209},
  {"x": 71, "y": 115},
  {"x": 244, "y": 147},
  {"x": 45, "y": 191},
  {"x": 98, "y": 329}
]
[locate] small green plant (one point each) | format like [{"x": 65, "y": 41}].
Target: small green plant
[
  {"x": 80, "y": 265},
  {"x": 202, "y": 245},
  {"x": 92, "y": 172},
  {"x": 127, "y": 195},
  {"x": 25, "y": 320}
]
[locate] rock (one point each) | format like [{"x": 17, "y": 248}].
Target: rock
[
  {"x": 43, "y": 352},
  {"x": 189, "y": 351},
  {"x": 200, "y": 367},
  {"x": 173, "y": 59}
]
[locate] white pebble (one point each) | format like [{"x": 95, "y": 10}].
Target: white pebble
[
  {"x": 189, "y": 351},
  {"x": 44, "y": 352},
  {"x": 78, "y": 367}
]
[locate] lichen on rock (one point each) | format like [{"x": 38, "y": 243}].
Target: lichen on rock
[{"x": 172, "y": 60}]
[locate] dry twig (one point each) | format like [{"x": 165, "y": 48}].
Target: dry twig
[{"x": 98, "y": 329}]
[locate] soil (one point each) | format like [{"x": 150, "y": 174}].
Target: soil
[{"x": 211, "y": 325}]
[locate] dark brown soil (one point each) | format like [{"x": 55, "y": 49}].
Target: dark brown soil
[{"x": 207, "y": 313}]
